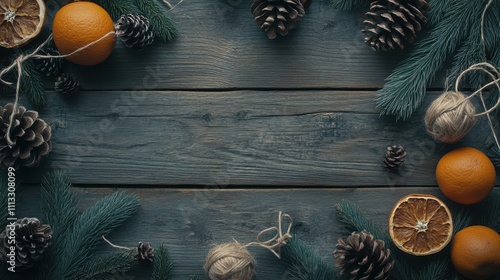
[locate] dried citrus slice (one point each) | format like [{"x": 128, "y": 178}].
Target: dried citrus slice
[
  {"x": 20, "y": 21},
  {"x": 420, "y": 224}
]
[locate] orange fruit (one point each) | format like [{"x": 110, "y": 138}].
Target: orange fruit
[
  {"x": 20, "y": 21},
  {"x": 465, "y": 175},
  {"x": 475, "y": 252},
  {"x": 78, "y": 24},
  {"x": 420, "y": 224}
]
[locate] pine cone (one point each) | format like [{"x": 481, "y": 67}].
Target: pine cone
[
  {"x": 134, "y": 31},
  {"x": 145, "y": 252},
  {"x": 49, "y": 66},
  {"x": 277, "y": 16},
  {"x": 391, "y": 24},
  {"x": 67, "y": 84},
  {"x": 30, "y": 136},
  {"x": 363, "y": 257},
  {"x": 32, "y": 238},
  {"x": 394, "y": 157}
]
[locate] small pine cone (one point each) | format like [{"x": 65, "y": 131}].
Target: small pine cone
[
  {"x": 134, "y": 31},
  {"x": 50, "y": 67},
  {"x": 391, "y": 24},
  {"x": 145, "y": 252},
  {"x": 67, "y": 84},
  {"x": 277, "y": 16},
  {"x": 32, "y": 239},
  {"x": 30, "y": 138},
  {"x": 363, "y": 257},
  {"x": 394, "y": 157}
]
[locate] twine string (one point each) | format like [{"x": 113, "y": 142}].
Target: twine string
[
  {"x": 17, "y": 63},
  {"x": 116, "y": 246},
  {"x": 274, "y": 244}
]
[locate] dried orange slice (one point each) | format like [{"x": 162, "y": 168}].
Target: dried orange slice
[
  {"x": 20, "y": 21},
  {"x": 420, "y": 224}
]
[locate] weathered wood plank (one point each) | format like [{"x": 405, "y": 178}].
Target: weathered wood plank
[
  {"x": 281, "y": 138},
  {"x": 220, "y": 46},
  {"x": 191, "y": 221}
]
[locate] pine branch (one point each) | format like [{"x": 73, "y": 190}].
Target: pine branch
[
  {"x": 349, "y": 5},
  {"x": 163, "y": 27},
  {"x": 487, "y": 212},
  {"x": 58, "y": 203},
  {"x": 106, "y": 268},
  {"x": 162, "y": 269},
  {"x": 118, "y": 8},
  {"x": 438, "y": 11},
  {"x": 353, "y": 219},
  {"x": 405, "y": 88},
  {"x": 32, "y": 84},
  {"x": 303, "y": 263},
  {"x": 100, "y": 219}
]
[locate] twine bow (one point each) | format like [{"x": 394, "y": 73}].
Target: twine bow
[
  {"x": 17, "y": 63},
  {"x": 274, "y": 244}
]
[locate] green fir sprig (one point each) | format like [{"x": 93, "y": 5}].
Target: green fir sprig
[
  {"x": 162, "y": 25},
  {"x": 405, "y": 88},
  {"x": 162, "y": 265},
  {"x": 303, "y": 263},
  {"x": 118, "y": 8},
  {"x": 76, "y": 235}
]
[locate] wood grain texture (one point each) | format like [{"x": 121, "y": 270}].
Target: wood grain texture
[
  {"x": 220, "y": 46},
  {"x": 246, "y": 138},
  {"x": 190, "y": 222}
]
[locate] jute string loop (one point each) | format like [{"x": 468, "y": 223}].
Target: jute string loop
[
  {"x": 274, "y": 244},
  {"x": 452, "y": 115},
  {"x": 17, "y": 63}
]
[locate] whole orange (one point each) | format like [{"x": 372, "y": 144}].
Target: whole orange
[
  {"x": 475, "y": 252},
  {"x": 78, "y": 24},
  {"x": 465, "y": 175}
]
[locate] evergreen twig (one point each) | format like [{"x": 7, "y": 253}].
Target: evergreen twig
[
  {"x": 162, "y": 25},
  {"x": 405, "y": 88},
  {"x": 303, "y": 263},
  {"x": 438, "y": 10},
  {"x": 162, "y": 268},
  {"x": 100, "y": 219},
  {"x": 32, "y": 84},
  {"x": 353, "y": 219},
  {"x": 349, "y": 5},
  {"x": 108, "y": 267},
  {"x": 118, "y": 8}
]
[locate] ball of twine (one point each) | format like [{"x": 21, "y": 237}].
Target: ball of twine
[
  {"x": 450, "y": 117},
  {"x": 230, "y": 261}
]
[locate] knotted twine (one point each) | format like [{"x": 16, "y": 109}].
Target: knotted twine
[
  {"x": 452, "y": 115},
  {"x": 233, "y": 261},
  {"x": 18, "y": 62}
]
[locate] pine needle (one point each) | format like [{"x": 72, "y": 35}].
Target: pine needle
[
  {"x": 163, "y": 27},
  {"x": 32, "y": 84},
  {"x": 162, "y": 269},
  {"x": 353, "y": 219},
  {"x": 303, "y": 263},
  {"x": 349, "y": 5},
  {"x": 118, "y": 8},
  {"x": 405, "y": 88},
  {"x": 438, "y": 11},
  {"x": 106, "y": 268},
  {"x": 100, "y": 219}
]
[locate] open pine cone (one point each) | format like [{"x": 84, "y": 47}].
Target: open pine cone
[
  {"x": 30, "y": 138},
  {"x": 394, "y": 157},
  {"x": 145, "y": 252},
  {"x": 391, "y": 24},
  {"x": 277, "y": 16},
  {"x": 135, "y": 31},
  {"x": 32, "y": 238},
  {"x": 363, "y": 257}
]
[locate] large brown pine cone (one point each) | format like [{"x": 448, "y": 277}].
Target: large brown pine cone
[
  {"x": 392, "y": 24},
  {"x": 277, "y": 16},
  {"x": 30, "y": 138},
  {"x": 363, "y": 257},
  {"x": 31, "y": 240}
]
